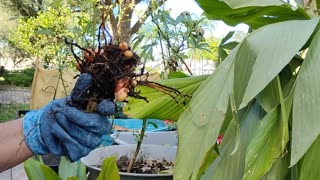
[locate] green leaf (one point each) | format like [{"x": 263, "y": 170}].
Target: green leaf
[
  {"x": 160, "y": 105},
  {"x": 49, "y": 173},
  {"x": 227, "y": 37},
  {"x": 109, "y": 169},
  {"x": 256, "y": 13},
  {"x": 177, "y": 74},
  {"x": 230, "y": 45},
  {"x": 284, "y": 116},
  {"x": 33, "y": 169},
  {"x": 269, "y": 98},
  {"x": 265, "y": 146},
  {"x": 222, "y": 54},
  {"x": 72, "y": 178},
  {"x": 231, "y": 165},
  {"x": 269, "y": 140},
  {"x": 258, "y": 63},
  {"x": 279, "y": 170},
  {"x": 36, "y": 170},
  {"x": 214, "y": 151},
  {"x": 306, "y": 124},
  {"x": 68, "y": 169},
  {"x": 311, "y": 162},
  {"x": 200, "y": 124}
]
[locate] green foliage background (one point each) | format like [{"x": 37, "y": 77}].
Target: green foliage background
[{"x": 22, "y": 78}]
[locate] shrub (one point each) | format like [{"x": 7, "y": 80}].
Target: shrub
[{"x": 21, "y": 78}]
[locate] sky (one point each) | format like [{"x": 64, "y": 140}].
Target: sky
[{"x": 221, "y": 29}]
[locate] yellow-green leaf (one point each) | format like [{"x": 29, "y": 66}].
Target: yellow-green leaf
[
  {"x": 109, "y": 169},
  {"x": 160, "y": 105}
]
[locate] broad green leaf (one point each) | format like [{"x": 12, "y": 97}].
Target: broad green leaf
[
  {"x": 214, "y": 151},
  {"x": 255, "y": 13},
  {"x": 258, "y": 63},
  {"x": 33, "y": 169},
  {"x": 209, "y": 158},
  {"x": 279, "y": 170},
  {"x": 68, "y": 169},
  {"x": 109, "y": 169},
  {"x": 269, "y": 140},
  {"x": 200, "y": 124},
  {"x": 36, "y": 170},
  {"x": 231, "y": 165},
  {"x": 265, "y": 146},
  {"x": 49, "y": 173},
  {"x": 160, "y": 105},
  {"x": 306, "y": 124},
  {"x": 269, "y": 96},
  {"x": 310, "y": 168}
]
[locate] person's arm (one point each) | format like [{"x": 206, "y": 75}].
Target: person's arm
[
  {"x": 58, "y": 128},
  {"x": 13, "y": 148}
]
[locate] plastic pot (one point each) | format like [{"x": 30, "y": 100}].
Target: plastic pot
[{"x": 156, "y": 152}]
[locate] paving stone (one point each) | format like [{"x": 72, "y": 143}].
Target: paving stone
[{"x": 15, "y": 97}]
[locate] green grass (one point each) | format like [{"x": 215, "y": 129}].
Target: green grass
[{"x": 9, "y": 112}]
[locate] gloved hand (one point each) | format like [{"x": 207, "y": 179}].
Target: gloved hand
[{"x": 65, "y": 130}]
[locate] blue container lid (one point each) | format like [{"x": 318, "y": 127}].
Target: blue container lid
[
  {"x": 132, "y": 124},
  {"x": 153, "y": 125}
]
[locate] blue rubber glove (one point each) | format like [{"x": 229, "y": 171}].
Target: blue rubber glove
[{"x": 64, "y": 130}]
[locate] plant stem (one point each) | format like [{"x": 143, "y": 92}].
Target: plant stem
[{"x": 136, "y": 152}]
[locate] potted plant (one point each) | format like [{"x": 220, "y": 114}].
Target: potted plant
[
  {"x": 157, "y": 107},
  {"x": 262, "y": 97},
  {"x": 162, "y": 169}
]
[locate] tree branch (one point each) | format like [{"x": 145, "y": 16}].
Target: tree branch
[
  {"x": 112, "y": 23},
  {"x": 146, "y": 14}
]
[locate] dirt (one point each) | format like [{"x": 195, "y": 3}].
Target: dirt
[{"x": 144, "y": 166}]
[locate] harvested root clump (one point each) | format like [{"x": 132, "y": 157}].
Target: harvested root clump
[{"x": 112, "y": 66}]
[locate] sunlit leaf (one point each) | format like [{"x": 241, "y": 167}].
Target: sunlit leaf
[
  {"x": 160, "y": 105},
  {"x": 68, "y": 169},
  {"x": 258, "y": 63},
  {"x": 36, "y": 170},
  {"x": 227, "y": 37},
  {"x": 255, "y": 13},
  {"x": 177, "y": 74},
  {"x": 109, "y": 169}
]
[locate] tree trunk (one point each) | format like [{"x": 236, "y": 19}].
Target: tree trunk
[{"x": 120, "y": 24}]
